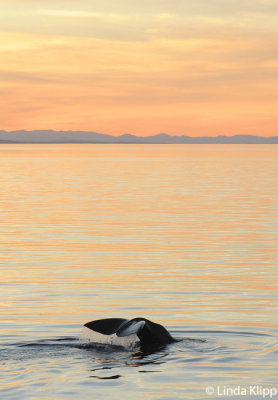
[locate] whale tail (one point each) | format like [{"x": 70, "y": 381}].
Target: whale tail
[{"x": 123, "y": 332}]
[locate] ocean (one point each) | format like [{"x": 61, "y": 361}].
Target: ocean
[{"x": 184, "y": 235}]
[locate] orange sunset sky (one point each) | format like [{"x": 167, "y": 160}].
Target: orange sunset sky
[{"x": 202, "y": 67}]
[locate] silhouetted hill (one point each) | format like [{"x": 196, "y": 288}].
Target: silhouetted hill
[{"x": 50, "y": 136}]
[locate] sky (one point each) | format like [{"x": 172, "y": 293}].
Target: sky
[{"x": 182, "y": 67}]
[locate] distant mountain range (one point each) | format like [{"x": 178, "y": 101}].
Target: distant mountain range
[{"x": 50, "y": 136}]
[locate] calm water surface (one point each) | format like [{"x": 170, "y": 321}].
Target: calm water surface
[{"x": 183, "y": 235}]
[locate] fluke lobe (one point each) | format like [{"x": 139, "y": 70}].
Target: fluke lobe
[{"x": 127, "y": 333}]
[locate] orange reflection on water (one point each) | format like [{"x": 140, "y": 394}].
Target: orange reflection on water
[{"x": 179, "y": 233}]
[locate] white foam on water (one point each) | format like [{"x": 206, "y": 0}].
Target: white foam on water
[{"x": 91, "y": 336}]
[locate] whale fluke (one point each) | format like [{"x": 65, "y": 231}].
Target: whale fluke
[{"x": 126, "y": 333}]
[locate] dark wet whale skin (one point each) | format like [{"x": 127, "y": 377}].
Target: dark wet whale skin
[{"x": 150, "y": 333}]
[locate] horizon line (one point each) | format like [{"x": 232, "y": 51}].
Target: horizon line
[{"x": 134, "y": 135}]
